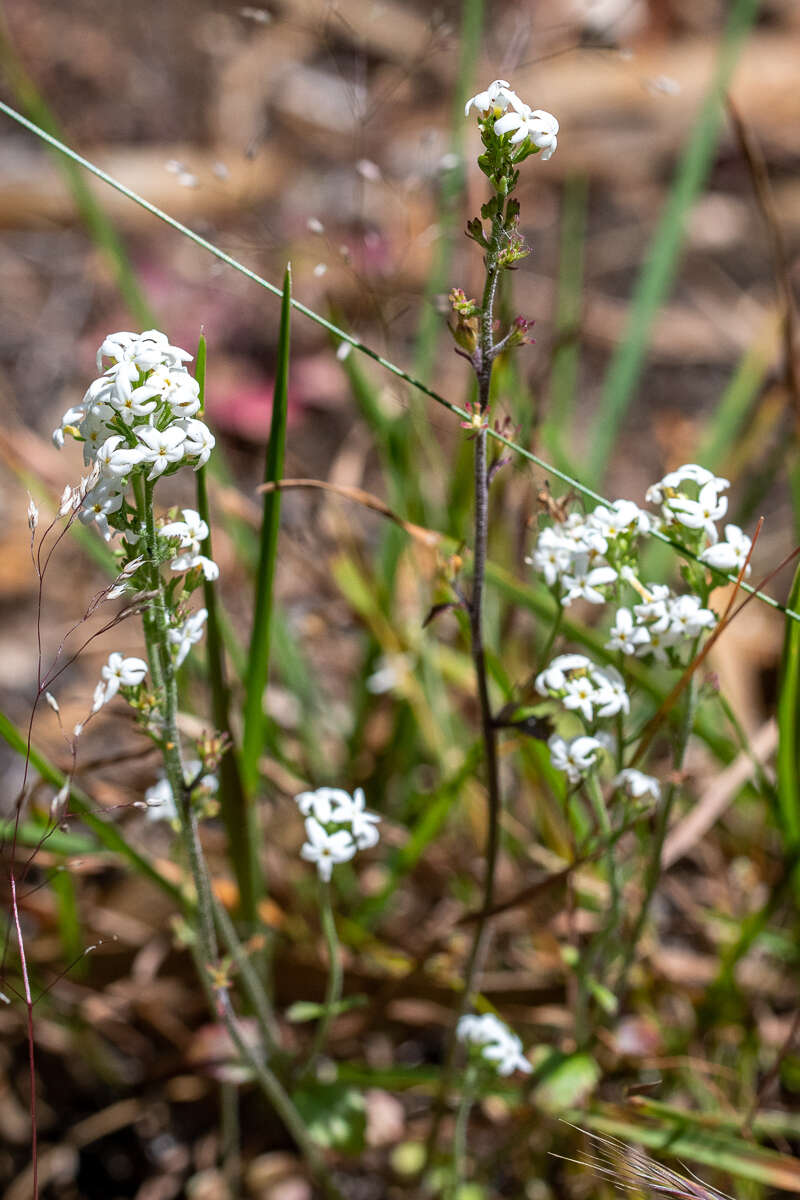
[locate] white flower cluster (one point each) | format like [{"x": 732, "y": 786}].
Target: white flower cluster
[
  {"x": 140, "y": 414},
  {"x": 583, "y": 687},
  {"x": 160, "y": 799},
  {"x": 661, "y": 623},
  {"x": 581, "y": 557},
  {"x": 522, "y": 122},
  {"x": 692, "y": 498},
  {"x": 337, "y": 825},
  {"x": 497, "y": 1046},
  {"x": 190, "y": 532}
]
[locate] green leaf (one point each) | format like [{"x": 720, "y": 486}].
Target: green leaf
[
  {"x": 308, "y": 1010},
  {"x": 232, "y": 798},
  {"x": 789, "y": 728},
  {"x": 562, "y": 1080},
  {"x": 254, "y": 722},
  {"x": 335, "y": 1116}
]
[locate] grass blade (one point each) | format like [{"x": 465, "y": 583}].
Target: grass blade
[
  {"x": 788, "y": 730},
  {"x": 233, "y": 802},
  {"x": 253, "y": 736},
  {"x": 660, "y": 269}
]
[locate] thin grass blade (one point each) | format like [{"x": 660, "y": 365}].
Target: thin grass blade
[{"x": 254, "y": 721}]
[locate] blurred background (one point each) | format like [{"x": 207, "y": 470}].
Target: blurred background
[{"x": 330, "y": 133}]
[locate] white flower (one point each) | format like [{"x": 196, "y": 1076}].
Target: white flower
[
  {"x": 575, "y": 757},
  {"x": 497, "y": 96},
  {"x": 701, "y": 513},
  {"x": 636, "y": 784},
  {"x": 319, "y": 804},
  {"x": 583, "y": 581},
  {"x": 175, "y": 386},
  {"x": 524, "y": 122},
  {"x": 688, "y": 617},
  {"x": 118, "y": 672},
  {"x": 161, "y": 447},
  {"x": 33, "y": 513},
  {"x": 94, "y": 429},
  {"x": 97, "y": 506},
  {"x": 351, "y": 811},
  {"x": 610, "y": 696},
  {"x": 187, "y": 634},
  {"x": 623, "y": 516},
  {"x": 498, "y": 1045},
  {"x": 192, "y": 530},
  {"x": 730, "y": 555},
  {"x": 625, "y": 635},
  {"x": 326, "y": 849},
  {"x": 115, "y": 458},
  {"x": 134, "y": 404},
  {"x": 160, "y": 799},
  {"x": 552, "y": 556},
  {"x": 579, "y": 695},
  {"x": 554, "y": 677},
  {"x": 200, "y": 441}
]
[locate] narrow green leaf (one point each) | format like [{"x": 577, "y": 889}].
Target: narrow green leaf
[
  {"x": 789, "y": 729},
  {"x": 254, "y": 723},
  {"x": 661, "y": 266},
  {"x": 232, "y": 799},
  {"x": 62, "y": 886}
]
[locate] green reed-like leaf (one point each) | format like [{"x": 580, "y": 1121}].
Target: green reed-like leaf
[
  {"x": 659, "y": 271},
  {"x": 232, "y": 798},
  {"x": 254, "y": 722},
  {"x": 789, "y": 729}
]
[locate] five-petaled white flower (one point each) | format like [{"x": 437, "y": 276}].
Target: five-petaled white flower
[
  {"x": 636, "y": 784},
  {"x": 118, "y": 672},
  {"x": 576, "y": 757},
  {"x": 187, "y": 634},
  {"x": 534, "y": 123},
  {"x": 200, "y": 441},
  {"x": 730, "y": 555},
  {"x": 326, "y": 849},
  {"x": 497, "y": 96},
  {"x": 161, "y": 447}
]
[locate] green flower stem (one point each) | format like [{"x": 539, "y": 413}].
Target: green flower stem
[
  {"x": 653, "y": 872},
  {"x": 488, "y": 730},
  {"x": 595, "y": 951},
  {"x": 205, "y": 951},
  {"x": 460, "y": 1132},
  {"x": 333, "y": 991},
  {"x": 219, "y": 1002},
  {"x": 251, "y": 984}
]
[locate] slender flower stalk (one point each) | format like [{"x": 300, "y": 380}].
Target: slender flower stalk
[
  {"x": 474, "y": 333},
  {"x": 333, "y": 991}
]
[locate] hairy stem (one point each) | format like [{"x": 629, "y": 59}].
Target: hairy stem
[{"x": 483, "y": 366}]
